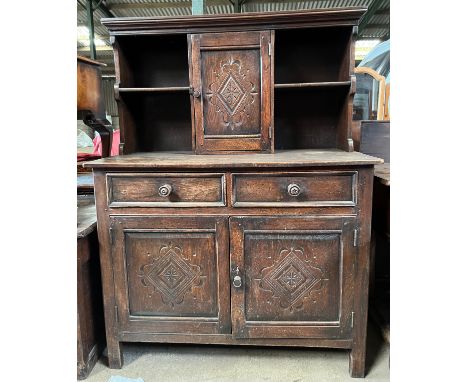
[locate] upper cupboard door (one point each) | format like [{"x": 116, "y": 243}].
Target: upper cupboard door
[
  {"x": 231, "y": 91},
  {"x": 292, "y": 277}
]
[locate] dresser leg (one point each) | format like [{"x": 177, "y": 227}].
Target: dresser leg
[
  {"x": 114, "y": 354},
  {"x": 357, "y": 362}
]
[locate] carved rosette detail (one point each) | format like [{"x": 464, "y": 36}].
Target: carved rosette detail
[
  {"x": 231, "y": 94},
  {"x": 291, "y": 279},
  {"x": 170, "y": 274}
]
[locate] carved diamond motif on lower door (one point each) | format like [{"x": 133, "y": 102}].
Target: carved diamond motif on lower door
[
  {"x": 170, "y": 274},
  {"x": 291, "y": 279}
]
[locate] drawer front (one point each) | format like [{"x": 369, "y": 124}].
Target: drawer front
[
  {"x": 318, "y": 188},
  {"x": 166, "y": 190}
]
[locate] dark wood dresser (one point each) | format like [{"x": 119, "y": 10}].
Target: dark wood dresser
[{"x": 238, "y": 212}]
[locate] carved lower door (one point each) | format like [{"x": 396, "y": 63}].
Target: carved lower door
[
  {"x": 230, "y": 77},
  {"x": 171, "y": 274},
  {"x": 292, "y": 277}
]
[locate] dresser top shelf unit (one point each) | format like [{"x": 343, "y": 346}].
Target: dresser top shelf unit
[
  {"x": 290, "y": 158},
  {"x": 236, "y": 83}
]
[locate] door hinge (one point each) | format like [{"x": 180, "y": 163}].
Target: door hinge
[
  {"x": 352, "y": 319},
  {"x": 116, "y": 314},
  {"x": 355, "y": 238},
  {"x": 270, "y": 132},
  {"x": 269, "y": 48}
]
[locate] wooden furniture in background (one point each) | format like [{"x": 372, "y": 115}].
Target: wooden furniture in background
[
  {"x": 372, "y": 138},
  {"x": 90, "y": 319},
  {"x": 381, "y": 109},
  {"x": 90, "y": 100},
  {"x": 269, "y": 247}
]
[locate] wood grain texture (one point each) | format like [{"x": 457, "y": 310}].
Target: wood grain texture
[
  {"x": 231, "y": 77},
  {"x": 357, "y": 357},
  {"x": 280, "y": 159},
  {"x": 86, "y": 215},
  {"x": 279, "y": 253},
  {"x": 233, "y": 22},
  {"x": 277, "y": 189},
  {"x": 90, "y": 101},
  {"x": 382, "y": 173},
  {"x": 174, "y": 274},
  {"x": 90, "y": 325},
  {"x": 186, "y": 190},
  {"x": 301, "y": 287},
  {"x": 264, "y": 232}
]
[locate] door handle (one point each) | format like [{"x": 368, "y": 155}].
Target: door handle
[{"x": 237, "y": 280}]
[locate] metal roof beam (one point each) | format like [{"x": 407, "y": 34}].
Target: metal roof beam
[
  {"x": 100, "y": 5},
  {"x": 180, "y": 4},
  {"x": 103, "y": 8}
]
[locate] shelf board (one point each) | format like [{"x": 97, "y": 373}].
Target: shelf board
[
  {"x": 312, "y": 84},
  {"x": 154, "y": 90}
]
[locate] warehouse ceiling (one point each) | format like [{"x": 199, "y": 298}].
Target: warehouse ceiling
[{"x": 375, "y": 24}]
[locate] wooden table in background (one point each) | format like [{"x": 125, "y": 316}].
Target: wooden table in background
[{"x": 90, "y": 320}]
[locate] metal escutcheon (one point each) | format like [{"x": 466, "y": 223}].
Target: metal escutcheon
[{"x": 237, "y": 282}]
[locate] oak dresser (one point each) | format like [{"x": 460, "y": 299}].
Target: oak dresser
[{"x": 237, "y": 212}]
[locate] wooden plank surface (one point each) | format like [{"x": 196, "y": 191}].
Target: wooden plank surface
[
  {"x": 86, "y": 215},
  {"x": 382, "y": 172},
  {"x": 293, "y": 158}
]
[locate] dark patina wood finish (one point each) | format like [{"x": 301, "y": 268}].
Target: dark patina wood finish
[
  {"x": 90, "y": 100},
  {"x": 272, "y": 271},
  {"x": 270, "y": 247},
  {"x": 90, "y": 322}
]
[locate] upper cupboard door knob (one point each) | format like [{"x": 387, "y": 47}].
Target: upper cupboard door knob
[{"x": 194, "y": 93}]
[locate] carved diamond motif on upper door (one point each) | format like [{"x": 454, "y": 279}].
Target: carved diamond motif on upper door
[
  {"x": 233, "y": 93},
  {"x": 231, "y": 79}
]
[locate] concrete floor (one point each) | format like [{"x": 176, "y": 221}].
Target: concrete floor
[{"x": 190, "y": 363}]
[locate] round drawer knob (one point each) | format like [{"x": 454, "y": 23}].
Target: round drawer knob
[
  {"x": 237, "y": 282},
  {"x": 294, "y": 189},
  {"x": 165, "y": 190}
]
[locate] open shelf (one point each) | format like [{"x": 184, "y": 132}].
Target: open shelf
[
  {"x": 313, "y": 84},
  {"x": 157, "y": 121},
  {"x": 309, "y": 117},
  {"x": 154, "y": 90},
  {"x": 312, "y": 55},
  {"x": 153, "y": 61}
]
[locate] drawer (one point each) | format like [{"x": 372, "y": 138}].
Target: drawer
[
  {"x": 311, "y": 189},
  {"x": 166, "y": 190}
]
